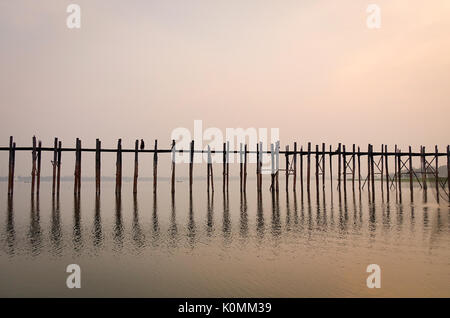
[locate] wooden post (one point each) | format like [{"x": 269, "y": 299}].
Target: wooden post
[
  {"x": 436, "y": 171},
  {"x": 339, "y": 166},
  {"x": 58, "y": 178},
  {"x": 423, "y": 168},
  {"x": 287, "y": 167},
  {"x": 294, "y": 187},
  {"x": 353, "y": 167},
  {"x": 257, "y": 168},
  {"x": 277, "y": 166},
  {"x": 210, "y": 170},
  {"x": 331, "y": 169},
  {"x": 33, "y": 166},
  {"x": 173, "y": 166},
  {"x": 54, "y": 163},
  {"x": 344, "y": 161},
  {"x": 136, "y": 165},
  {"x": 386, "y": 157},
  {"x": 410, "y": 173},
  {"x": 75, "y": 179},
  {"x": 372, "y": 171},
  {"x": 155, "y": 167},
  {"x": 228, "y": 164},
  {"x": 272, "y": 172},
  {"x": 241, "y": 166},
  {"x": 359, "y": 169},
  {"x": 245, "y": 168},
  {"x": 323, "y": 166},
  {"x": 260, "y": 166},
  {"x": 38, "y": 179},
  {"x": 382, "y": 169},
  {"x": 119, "y": 167},
  {"x": 301, "y": 170},
  {"x": 224, "y": 162},
  {"x": 191, "y": 165},
  {"x": 13, "y": 167},
  {"x": 10, "y": 169},
  {"x": 399, "y": 156},
  {"x": 317, "y": 169},
  {"x": 98, "y": 145},
  {"x": 395, "y": 170},
  {"x": 308, "y": 167},
  {"x": 448, "y": 170},
  {"x": 207, "y": 168}
]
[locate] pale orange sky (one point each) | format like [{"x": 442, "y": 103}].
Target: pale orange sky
[{"x": 138, "y": 69}]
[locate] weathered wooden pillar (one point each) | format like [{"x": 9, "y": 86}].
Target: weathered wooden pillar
[
  {"x": 207, "y": 168},
  {"x": 386, "y": 157},
  {"x": 10, "y": 167},
  {"x": 136, "y": 165},
  {"x": 331, "y": 169},
  {"x": 224, "y": 167},
  {"x": 54, "y": 165},
  {"x": 423, "y": 167},
  {"x": 191, "y": 165},
  {"x": 317, "y": 169},
  {"x": 77, "y": 166},
  {"x": 323, "y": 166},
  {"x": 344, "y": 161},
  {"x": 245, "y": 168},
  {"x": 395, "y": 170},
  {"x": 241, "y": 166},
  {"x": 368, "y": 167},
  {"x": 399, "y": 156},
  {"x": 257, "y": 168},
  {"x": 33, "y": 166},
  {"x": 211, "y": 175},
  {"x": 436, "y": 171},
  {"x": 38, "y": 177},
  {"x": 277, "y": 166},
  {"x": 58, "y": 177},
  {"x": 173, "y": 167},
  {"x": 381, "y": 161},
  {"x": 119, "y": 167},
  {"x": 410, "y": 173},
  {"x": 339, "y": 166},
  {"x": 308, "y": 167},
  {"x": 294, "y": 187},
  {"x": 261, "y": 152},
  {"x": 155, "y": 166},
  {"x": 372, "y": 171},
  {"x": 98, "y": 146},
  {"x": 287, "y": 167},
  {"x": 301, "y": 170},
  {"x": 359, "y": 169},
  {"x": 353, "y": 167},
  {"x": 228, "y": 164},
  {"x": 272, "y": 171},
  {"x": 448, "y": 170}
]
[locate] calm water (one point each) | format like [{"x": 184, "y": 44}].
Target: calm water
[{"x": 222, "y": 247}]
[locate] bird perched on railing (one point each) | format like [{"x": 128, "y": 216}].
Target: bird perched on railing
[{"x": 142, "y": 144}]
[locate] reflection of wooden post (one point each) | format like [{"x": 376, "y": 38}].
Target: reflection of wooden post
[
  {"x": 33, "y": 166},
  {"x": 58, "y": 179},
  {"x": 294, "y": 187},
  {"x": 38, "y": 179},
  {"x": 119, "y": 167},
  {"x": 436, "y": 171},
  {"x": 136, "y": 165},
  {"x": 245, "y": 168},
  {"x": 386, "y": 157},
  {"x": 173, "y": 167},
  {"x": 54, "y": 164},
  {"x": 98, "y": 144},
  {"x": 155, "y": 167}
]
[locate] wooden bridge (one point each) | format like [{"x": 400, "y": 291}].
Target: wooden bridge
[{"x": 349, "y": 166}]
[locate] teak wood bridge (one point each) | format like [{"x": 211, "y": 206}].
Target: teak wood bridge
[{"x": 349, "y": 166}]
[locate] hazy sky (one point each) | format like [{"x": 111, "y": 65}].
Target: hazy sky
[{"x": 138, "y": 69}]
